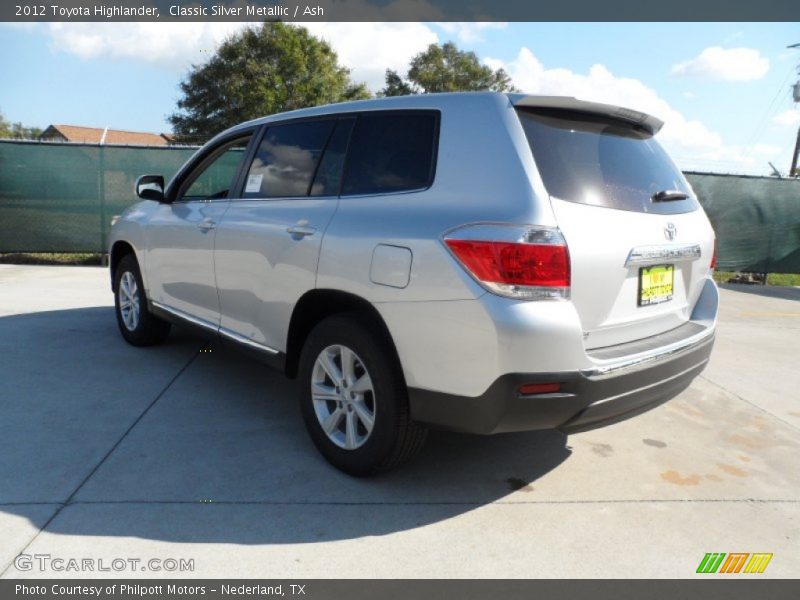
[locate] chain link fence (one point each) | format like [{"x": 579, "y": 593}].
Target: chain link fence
[{"x": 61, "y": 197}]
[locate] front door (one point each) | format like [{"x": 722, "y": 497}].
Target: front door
[{"x": 181, "y": 233}]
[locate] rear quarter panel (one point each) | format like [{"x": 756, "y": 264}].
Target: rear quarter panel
[{"x": 480, "y": 177}]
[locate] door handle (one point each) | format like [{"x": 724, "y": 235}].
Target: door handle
[
  {"x": 301, "y": 230},
  {"x": 207, "y": 224}
]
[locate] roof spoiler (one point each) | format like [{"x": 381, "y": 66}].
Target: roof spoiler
[{"x": 650, "y": 123}]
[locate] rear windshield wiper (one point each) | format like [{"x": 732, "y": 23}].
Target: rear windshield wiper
[{"x": 668, "y": 196}]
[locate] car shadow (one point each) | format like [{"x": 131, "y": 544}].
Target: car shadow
[{"x": 193, "y": 442}]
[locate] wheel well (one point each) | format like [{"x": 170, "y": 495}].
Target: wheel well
[
  {"x": 118, "y": 251},
  {"x": 316, "y": 305}
]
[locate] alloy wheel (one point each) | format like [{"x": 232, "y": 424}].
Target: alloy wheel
[
  {"x": 129, "y": 301},
  {"x": 343, "y": 396}
]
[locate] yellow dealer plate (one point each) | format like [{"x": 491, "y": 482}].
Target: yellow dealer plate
[{"x": 655, "y": 284}]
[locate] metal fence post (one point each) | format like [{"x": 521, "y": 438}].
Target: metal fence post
[
  {"x": 101, "y": 184},
  {"x": 768, "y": 261}
]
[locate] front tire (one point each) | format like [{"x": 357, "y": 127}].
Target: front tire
[
  {"x": 355, "y": 402},
  {"x": 136, "y": 323}
]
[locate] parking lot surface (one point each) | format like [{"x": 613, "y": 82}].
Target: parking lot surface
[{"x": 192, "y": 451}]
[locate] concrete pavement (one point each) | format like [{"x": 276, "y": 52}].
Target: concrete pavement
[{"x": 109, "y": 451}]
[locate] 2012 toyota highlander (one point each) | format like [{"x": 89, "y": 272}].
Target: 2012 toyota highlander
[{"x": 480, "y": 262}]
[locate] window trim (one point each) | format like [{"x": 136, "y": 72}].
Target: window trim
[
  {"x": 338, "y": 116},
  {"x": 338, "y": 194}
]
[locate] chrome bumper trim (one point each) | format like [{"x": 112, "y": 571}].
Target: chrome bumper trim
[{"x": 641, "y": 361}]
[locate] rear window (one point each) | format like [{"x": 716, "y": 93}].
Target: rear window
[
  {"x": 391, "y": 152},
  {"x": 603, "y": 162}
]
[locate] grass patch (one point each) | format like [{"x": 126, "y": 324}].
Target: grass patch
[
  {"x": 723, "y": 276},
  {"x": 783, "y": 279},
  {"x": 787, "y": 279},
  {"x": 52, "y": 258}
]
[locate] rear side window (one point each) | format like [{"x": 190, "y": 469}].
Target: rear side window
[
  {"x": 603, "y": 162},
  {"x": 286, "y": 159},
  {"x": 391, "y": 152}
]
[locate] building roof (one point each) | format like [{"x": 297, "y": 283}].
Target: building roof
[{"x": 95, "y": 135}]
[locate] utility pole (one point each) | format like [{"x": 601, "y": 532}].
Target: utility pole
[{"x": 794, "y": 171}]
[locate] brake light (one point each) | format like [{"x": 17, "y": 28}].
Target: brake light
[
  {"x": 714, "y": 256},
  {"x": 514, "y": 264},
  {"x": 521, "y": 262},
  {"x": 530, "y": 389}
]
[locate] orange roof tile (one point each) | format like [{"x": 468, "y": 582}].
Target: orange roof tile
[{"x": 93, "y": 135}]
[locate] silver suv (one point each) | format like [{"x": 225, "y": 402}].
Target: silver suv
[{"x": 479, "y": 262}]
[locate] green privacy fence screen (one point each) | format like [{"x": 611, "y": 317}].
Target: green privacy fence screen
[
  {"x": 757, "y": 221},
  {"x": 61, "y": 197}
]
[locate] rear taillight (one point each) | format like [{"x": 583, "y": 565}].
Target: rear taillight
[
  {"x": 714, "y": 256},
  {"x": 518, "y": 262}
]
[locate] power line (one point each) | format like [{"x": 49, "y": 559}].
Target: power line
[
  {"x": 768, "y": 113},
  {"x": 793, "y": 171}
]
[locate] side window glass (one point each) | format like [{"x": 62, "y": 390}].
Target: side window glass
[
  {"x": 329, "y": 173},
  {"x": 214, "y": 180},
  {"x": 286, "y": 160},
  {"x": 390, "y": 153}
]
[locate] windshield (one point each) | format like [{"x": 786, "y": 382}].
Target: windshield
[{"x": 605, "y": 162}]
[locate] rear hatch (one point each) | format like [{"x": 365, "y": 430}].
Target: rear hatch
[{"x": 640, "y": 245}]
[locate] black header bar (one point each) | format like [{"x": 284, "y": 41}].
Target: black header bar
[
  {"x": 709, "y": 588},
  {"x": 401, "y": 10}
]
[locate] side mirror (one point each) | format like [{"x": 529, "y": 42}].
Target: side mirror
[{"x": 150, "y": 187}]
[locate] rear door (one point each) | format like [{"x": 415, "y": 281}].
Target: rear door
[
  {"x": 640, "y": 245},
  {"x": 267, "y": 246}
]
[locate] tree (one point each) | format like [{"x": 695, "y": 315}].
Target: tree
[
  {"x": 395, "y": 86},
  {"x": 260, "y": 71},
  {"x": 5, "y": 127},
  {"x": 17, "y": 131},
  {"x": 446, "y": 69}
]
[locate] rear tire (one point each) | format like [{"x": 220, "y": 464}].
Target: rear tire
[
  {"x": 136, "y": 323},
  {"x": 354, "y": 401}
]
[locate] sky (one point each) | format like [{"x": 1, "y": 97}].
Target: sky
[{"x": 722, "y": 89}]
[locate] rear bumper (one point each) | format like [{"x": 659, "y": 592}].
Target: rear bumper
[{"x": 588, "y": 399}]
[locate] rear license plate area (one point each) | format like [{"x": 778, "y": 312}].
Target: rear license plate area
[{"x": 656, "y": 284}]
